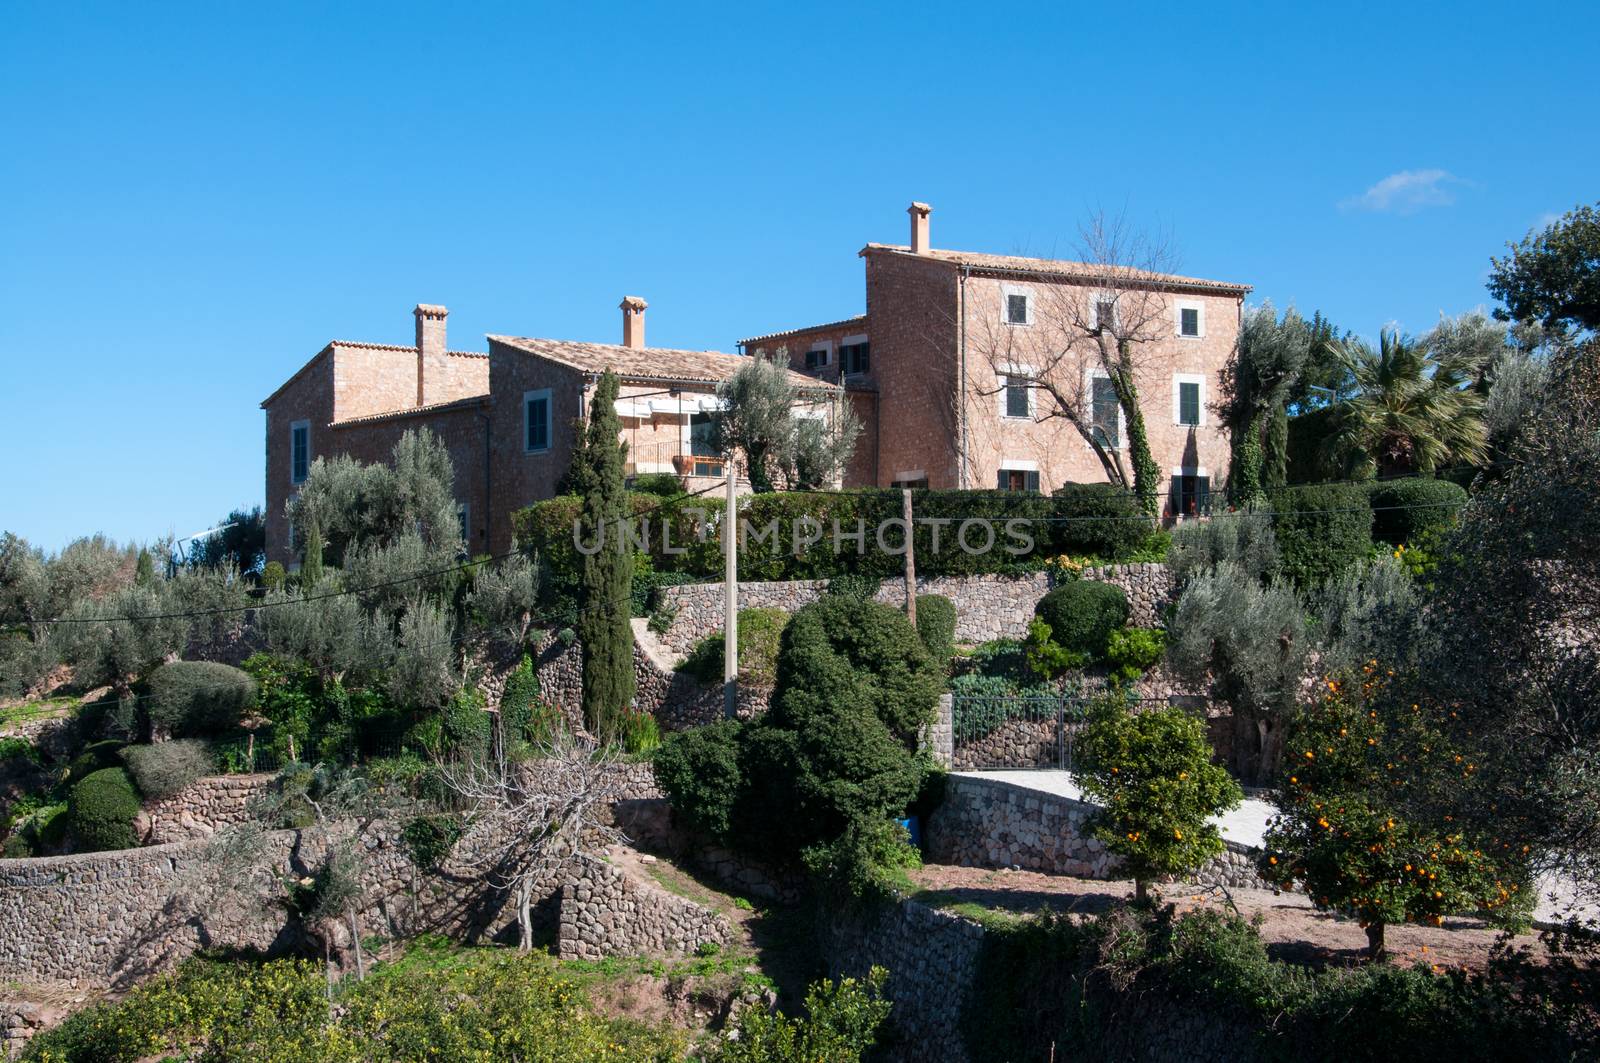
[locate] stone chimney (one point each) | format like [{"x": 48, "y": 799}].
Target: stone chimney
[
  {"x": 433, "y": 372},
  {"x": 633, "y": 309},
  {"x": 919, "y": 227}
]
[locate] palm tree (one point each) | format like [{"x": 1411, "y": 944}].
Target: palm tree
[{"x": 1413, "y": 410}]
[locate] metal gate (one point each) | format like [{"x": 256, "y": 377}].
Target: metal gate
[{"x": 1015, "y": 731}]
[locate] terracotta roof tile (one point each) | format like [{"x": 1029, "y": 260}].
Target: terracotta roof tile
[
  {"x": 646, "y": 363},
  {"x": 1084, "y": 271},
  {"x": 859, "y": 319},
  {"x": 409, "y": 349}
]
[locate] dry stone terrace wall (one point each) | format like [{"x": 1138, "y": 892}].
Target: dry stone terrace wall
[
  {"x": 97, "y": 919},
  {"x": 199, "y": 810},
  {"x": 932, "y": 958},
  {"x": 605, "y": 912},
  {"x": 987, "y": 607},
  {"x": 990, "y": 822}
]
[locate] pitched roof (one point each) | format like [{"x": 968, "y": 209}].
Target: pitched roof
[
  {"x": 857, "y": 320},
  {"x": 469, "y": 401},
  {"x": 298, "y": 373},
  {"x": 1087, "y": 272},
  {"x": 647, "y": 363}
]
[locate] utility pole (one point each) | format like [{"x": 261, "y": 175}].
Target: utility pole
[
  {"x": 911, "y": 557},
  {"x": 730, "y": 607}
]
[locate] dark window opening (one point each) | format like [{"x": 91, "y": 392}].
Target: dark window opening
[
  {"x": 1018, "y": 480},
  {"x": 1189, "y": 321},
  {"x": 1189, "y": 403},
  {"x": 1105, "y": 411},
  {"x": 1018, "y": 400},
  {"x": 855, "y": 358},
  {"x": 1191, "y": 496},
  {"x": 1017, "y": 309}
]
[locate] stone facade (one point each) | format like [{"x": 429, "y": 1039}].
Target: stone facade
[
  {"x": 942, "y": 343},
  {"x": 606, "y": 912},
  {"x": 990, "y": 822}
]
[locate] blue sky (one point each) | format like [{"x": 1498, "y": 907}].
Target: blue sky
[{"x": 193, "y": 200}]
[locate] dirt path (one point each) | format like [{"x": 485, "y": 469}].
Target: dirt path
[{"x": 1291, "y": 927}]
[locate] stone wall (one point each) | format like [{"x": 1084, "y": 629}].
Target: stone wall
[
  {"x": 678, "y": 701},
  {"x": 199, "y": 810},
  {"x": 989, "y": 822},
  {"x": 932, "y": 958},
  {"x": 98, "y": 919},
  {"x": 987, "y": 607},
  {"x": 604, "y": 911}
]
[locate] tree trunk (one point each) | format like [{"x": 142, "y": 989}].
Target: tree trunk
[
  {"x": 524, "y": 915},
  {"x": 1375, "y": 949},
  {"x": 355, "y": 943},
  {"x": 1141, "y": 891}
]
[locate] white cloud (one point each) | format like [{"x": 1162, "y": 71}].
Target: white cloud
[{"x": 1406, "y": 192}]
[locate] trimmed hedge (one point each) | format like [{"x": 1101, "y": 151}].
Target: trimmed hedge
[
  {"x": 1083, "y": 614},
  {"x": 791, "y": 533},
  {"x": 191, "y": 698},
  {"x": 699, "y": 770},
  {"x": 100, "y": 810},
  {"x": 1404, "y": 510},
  {"x": 1321, "y": 530},
  {"x": 936, "y": 624}
]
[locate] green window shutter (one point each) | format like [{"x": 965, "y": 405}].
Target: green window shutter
[
  {"x": 1033, "y": 482},
  {"x": 1189, "y": 403}
]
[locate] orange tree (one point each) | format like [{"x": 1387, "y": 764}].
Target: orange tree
[
  {"x": 1354, "y": 765},
  {"x": 1151, "y": 772}
]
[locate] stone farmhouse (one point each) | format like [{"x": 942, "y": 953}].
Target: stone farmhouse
[
  {"x": 959, "y": 372},
  {"x": 507, "y": 417},
  {"x": 948, "y": 366}
]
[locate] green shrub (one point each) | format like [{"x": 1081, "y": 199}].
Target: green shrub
[
  {"x": 1152, "y": 775},
  {"x": 12, "y": 748},
  {"x": 936, "y": 623},
  {"x": 1005, "y": 659},
  {"x": 1047, "y": 658},
  {"x": 429, "y": 838},
  {"x": 1103, "y": 520},
  {"x": 1404, "y": 510},
  {"x": 92, "y": 758},
  {"x": 841, "y": 1026},
  {"x": 853, "y": 585},
  {"x": 660, "y": 484},
  {"x": 101, "y": 808},
  {"x": 647, "y": 584},
  {"x": 165, "y": 768},
  {"x": 760, "y": 631},
  {"x": 1321, "y": 529},
  {"x": 189, "y": 698},
  {"x": 700, "y": 773},
  {"x": 1244, "y": 539},
  {"x": 1133, "y": 651},
  {"x": 16, "y": 847},
  {"x": 637, "y": 732},
  {"x": 518, "y": 700},
  {"x": 273, "y": 576},
  {"x": 466, "y": 724},
  {"x": 1083, "y": 614},
  {"x": 867, "y": 862}
]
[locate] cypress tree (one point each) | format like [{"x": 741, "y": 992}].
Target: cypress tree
[
  {"x": 607, "y": 588},
  {"x": 311, "y": 567}
]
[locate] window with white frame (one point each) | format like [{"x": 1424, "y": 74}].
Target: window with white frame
[
  {"x": 536, "y": 421},
  {"x": 855, "y": 356},
  {"x": 1018, "y": 305},
  {"x": 1018, "y": 396},
  {"x": 299, "y": 451},
  {"x": 1190, "y": 319},
  {"x": 817, "y": 357},
  {"x": 1189, "y": 400},
  {"x": 1105, "y": 412},
  {"x": 1190, "y": 492},
  {"x": 1017, "y": 476}
]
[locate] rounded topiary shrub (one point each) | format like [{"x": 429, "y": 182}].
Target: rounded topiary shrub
[
  {"x": 199, "y": 697},
  {"x": 93, "y": 757},
  {"x": 100, "y": 810},
  {"x": 936, "y": 624},
  {"x": 164, "y": 768},
  {"x": 1403, "y": 510},
  {"x": 1083, "y": 614}
]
